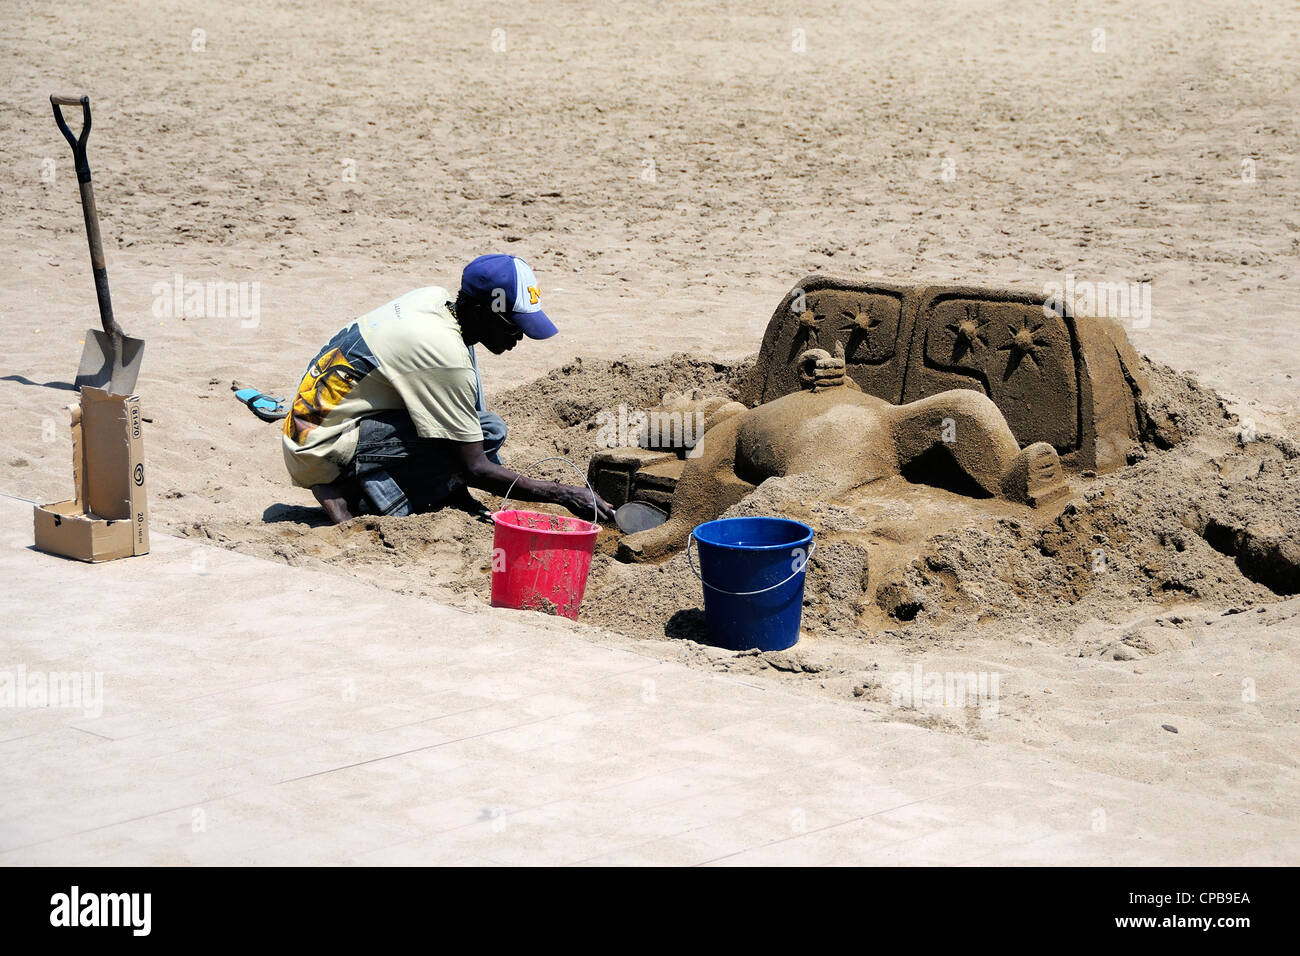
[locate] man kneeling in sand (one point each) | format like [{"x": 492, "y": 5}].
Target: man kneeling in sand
[
  {"x": 390, "y": 418},
  {"x": 834, "y": 433}
]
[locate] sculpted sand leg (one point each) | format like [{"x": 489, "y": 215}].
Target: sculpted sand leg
[
  {"x": 834, "y": 432},
  {"x": 973, "y": 431}
]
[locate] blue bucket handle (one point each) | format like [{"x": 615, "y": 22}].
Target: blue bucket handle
[
  {"x": 595, "y": 512},
  {"x": 812, "y": 546}
]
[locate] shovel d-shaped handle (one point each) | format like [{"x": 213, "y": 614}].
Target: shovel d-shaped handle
[
  {"x": 97, "y": 266},
  {"x": 78, "y": 143}
]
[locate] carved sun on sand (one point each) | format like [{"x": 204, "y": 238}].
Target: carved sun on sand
[
  {"x": 861, "y": 323},
  {"x": 806, "y": 326},
  {"x": 968, "y": 332},
  {"x": 809, "y": 321},
  {"x": 1024, "y": 344}
]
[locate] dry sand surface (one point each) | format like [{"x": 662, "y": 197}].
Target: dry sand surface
[{"x": 670, "y": 169}]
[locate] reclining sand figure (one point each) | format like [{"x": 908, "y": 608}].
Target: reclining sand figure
[{"x": 843, "y": 438}]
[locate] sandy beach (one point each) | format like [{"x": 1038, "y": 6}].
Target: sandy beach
[{"x": 671, "y": 169}]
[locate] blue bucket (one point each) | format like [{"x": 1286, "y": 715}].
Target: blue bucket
[{"x": 753, "y": 572}]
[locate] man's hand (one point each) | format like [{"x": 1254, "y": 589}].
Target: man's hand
[{"x": 579, "y": 501}]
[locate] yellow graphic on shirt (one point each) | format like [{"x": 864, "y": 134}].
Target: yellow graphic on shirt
[{"x": 327, "y": 382}]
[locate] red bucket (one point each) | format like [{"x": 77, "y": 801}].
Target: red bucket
[{"x": 541, "y": 561}]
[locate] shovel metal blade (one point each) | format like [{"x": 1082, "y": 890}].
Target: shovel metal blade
[
  {"x": 638, "y": 516},
  {"x": 103, "y": 366}
]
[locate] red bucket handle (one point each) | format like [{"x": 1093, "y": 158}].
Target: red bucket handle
[{"x": 595, "y": 512}]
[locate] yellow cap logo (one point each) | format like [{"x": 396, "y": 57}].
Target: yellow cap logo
[{"x": 534, "y": 294}]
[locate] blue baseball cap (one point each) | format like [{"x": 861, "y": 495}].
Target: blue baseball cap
[{"x": 507, "y": 285}]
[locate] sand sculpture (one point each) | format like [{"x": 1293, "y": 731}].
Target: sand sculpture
[
  {"x": 835, "y": 433},
  {"x": 1071, "y": 382},
  {"x": 666, "y": 436}
]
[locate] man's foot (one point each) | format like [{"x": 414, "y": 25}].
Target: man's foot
[{"x": 333, "y": 500}]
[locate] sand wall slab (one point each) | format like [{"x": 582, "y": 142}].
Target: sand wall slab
[{"x": 1058, "y": 378}]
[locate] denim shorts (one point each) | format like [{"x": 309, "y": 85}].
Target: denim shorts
[{"x": 401, "y": 473}]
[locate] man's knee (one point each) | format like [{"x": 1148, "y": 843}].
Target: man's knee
[{"x": 494, "y": 430}]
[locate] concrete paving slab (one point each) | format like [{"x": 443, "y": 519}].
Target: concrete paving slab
[{"x": 252, "y": 713}]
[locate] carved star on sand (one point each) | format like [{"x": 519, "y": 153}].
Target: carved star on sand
[
  {"x": 810, "y": 320},
  {"x": 1024, "y": 343},
  {"x": 861, "y": 323},
  {"x": 968, "y": 332},
  {"x": 806, "y": 326}
]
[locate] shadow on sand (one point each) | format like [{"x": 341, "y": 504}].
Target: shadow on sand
[
  {"x": 24, "y": 380},
  {"x": 295, "y": 514}
]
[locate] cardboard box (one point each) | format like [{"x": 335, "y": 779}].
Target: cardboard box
[{"x": 109, "y": 517}]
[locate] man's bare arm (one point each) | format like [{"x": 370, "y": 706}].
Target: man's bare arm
[{"x": 484, "y": 474}]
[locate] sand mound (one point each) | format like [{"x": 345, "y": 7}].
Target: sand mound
[{"x": 560, "y": 413}]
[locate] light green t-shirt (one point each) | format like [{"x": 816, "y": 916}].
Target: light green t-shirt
[{"x": 408, "y": 354}]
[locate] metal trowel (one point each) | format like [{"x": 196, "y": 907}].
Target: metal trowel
[
  {"x": 638, "y": 516},
  {"x": 111, "y": 358}
]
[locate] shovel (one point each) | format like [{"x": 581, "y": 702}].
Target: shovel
[{"x": 111, "y": 358}]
